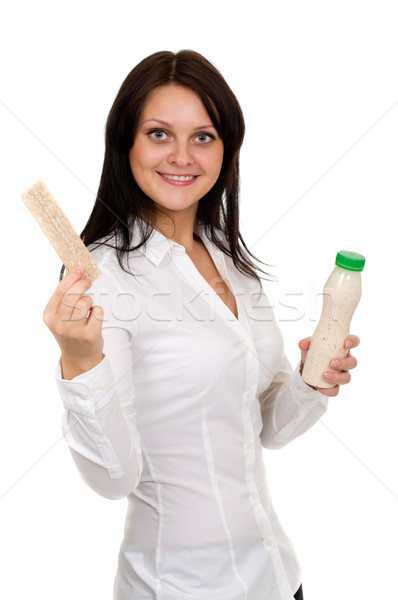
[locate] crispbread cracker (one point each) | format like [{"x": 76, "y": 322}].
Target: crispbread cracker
[{"x": 58, "y": 229}]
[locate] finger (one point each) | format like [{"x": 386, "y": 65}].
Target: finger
[
  {"x": 337, "y": 378},
  {"x": 71, "y": 278},
  {"x": 95, "y": 320},
  {"x": 82, "y": 308},
  {"x": 92, "y": 325},
  {"x": 304, "y": 344},
  {"x": 344, "y": 364},
  {"x": 329, "y": 392},
  {"x": 72, "y": 297},
  {"x": 352, "y": 341}
]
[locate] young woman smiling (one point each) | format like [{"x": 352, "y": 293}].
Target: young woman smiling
[{"x": 172, "y": 369}]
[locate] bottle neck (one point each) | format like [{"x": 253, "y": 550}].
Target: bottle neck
[
  {"x": 342, "y": 279},
  {"x": 348, "y": 272}
]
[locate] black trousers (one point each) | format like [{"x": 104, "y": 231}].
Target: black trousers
[{"x": 299, "y": 594}]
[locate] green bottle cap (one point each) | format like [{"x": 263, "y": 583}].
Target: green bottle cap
[{"x": 350, "y": 260}]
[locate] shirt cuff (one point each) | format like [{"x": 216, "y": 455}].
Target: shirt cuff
[
  {"x": 302, "y": 391},
  {"x": 84, "y": 396},
  {"x": 307, "y": 408},
  {"x": 88, "y": 391}
]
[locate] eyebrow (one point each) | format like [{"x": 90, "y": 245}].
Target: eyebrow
[{"x": 207, "y": 126}]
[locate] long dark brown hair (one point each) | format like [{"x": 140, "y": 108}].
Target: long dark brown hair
[{"x": 120, "y": 201}]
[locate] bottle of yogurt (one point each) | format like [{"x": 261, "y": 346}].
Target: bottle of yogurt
[{"x": 341, "y": 296}]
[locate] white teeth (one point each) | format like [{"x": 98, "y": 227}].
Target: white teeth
[{"x": 179, "y": 177}]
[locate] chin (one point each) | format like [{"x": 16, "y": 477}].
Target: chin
[
  {"x": 174, "y": 205},
  {"x": 174, "y": 201}
]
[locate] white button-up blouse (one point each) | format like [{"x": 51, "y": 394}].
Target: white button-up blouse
[{"x": 175, "y": 418}]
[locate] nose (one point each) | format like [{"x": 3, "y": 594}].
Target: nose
[{"x": 181, "y": 154}]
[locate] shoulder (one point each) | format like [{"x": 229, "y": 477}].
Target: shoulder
[
  {"x": 115, "y": 290},
  {"x": 103, "y": 252},
  {"x": 112, "y": 276}
]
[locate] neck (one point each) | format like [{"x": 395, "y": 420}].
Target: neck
[{"x": 181, "y": 231}]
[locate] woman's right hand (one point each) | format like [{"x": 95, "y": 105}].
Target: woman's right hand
[{"x": 76, "y": 324}]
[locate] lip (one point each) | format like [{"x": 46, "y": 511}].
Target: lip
[{"x": 178, "y": 183}]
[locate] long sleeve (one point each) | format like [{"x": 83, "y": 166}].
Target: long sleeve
[
  {"x": 289, "y": 407},
  {"x": 99, "y": 420}
]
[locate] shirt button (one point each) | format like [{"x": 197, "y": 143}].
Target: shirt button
[
  {"x": 249, "y": 445},
  {"x": 254, "y": 497},
  {"x": 101, "y": 440},
  {"x": 103, "y": 386},
  {"x": 249, "y": 394},
  {"x": 84, "y": 396},
  {"x": 248, "y": 343},
  {"x": 269, "y": 541}
]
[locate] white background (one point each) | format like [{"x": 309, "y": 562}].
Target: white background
[{"x": 318, "y": 87}]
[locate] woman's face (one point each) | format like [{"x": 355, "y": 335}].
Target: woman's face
[{"x": 177, "y": 153}]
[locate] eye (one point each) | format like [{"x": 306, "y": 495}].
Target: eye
[
  {"x": 157, "y": 134},
  {"x": 205, "y": 138}
]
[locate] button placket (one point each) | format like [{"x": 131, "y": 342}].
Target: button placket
[
  {"x": 269, "y": 541},
  {"x": 259, "y": 512},
  {"x": 249, "y": 445}
]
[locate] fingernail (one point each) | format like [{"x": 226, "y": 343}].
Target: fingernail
[
  {"x": 348, "y": 344},
  {"x": 335, "y": 363},
  {"x": 328, "y": 375}
]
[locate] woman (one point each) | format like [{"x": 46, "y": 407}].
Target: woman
[{"x": 172, "y": 369}]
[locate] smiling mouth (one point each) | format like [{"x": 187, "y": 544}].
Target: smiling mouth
[
  {"x": 179, "y": 177},
  {"x": 178, "y": 180}
]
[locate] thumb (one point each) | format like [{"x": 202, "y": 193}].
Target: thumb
[{"x": 304, "y": 343}]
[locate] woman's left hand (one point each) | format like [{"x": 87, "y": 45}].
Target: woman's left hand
[{"x": 344, "y": 365}]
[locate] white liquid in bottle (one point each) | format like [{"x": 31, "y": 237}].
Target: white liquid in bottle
[{"x": 342, "y": 293}]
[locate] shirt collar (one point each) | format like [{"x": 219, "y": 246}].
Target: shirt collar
[{"x": 158, "y": 245}]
